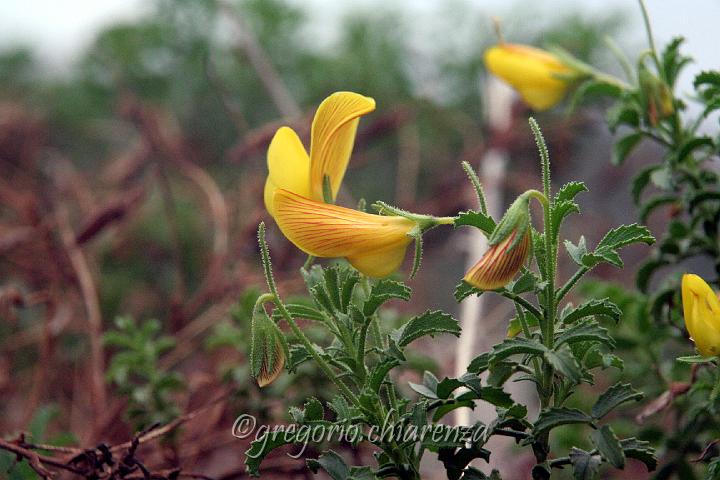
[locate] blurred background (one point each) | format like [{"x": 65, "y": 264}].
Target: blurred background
[{"x": 132, "y": 142}]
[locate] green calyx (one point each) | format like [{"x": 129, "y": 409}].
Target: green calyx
[{"x": 516, "y": 219}]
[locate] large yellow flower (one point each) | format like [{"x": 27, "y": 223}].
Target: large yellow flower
[
  {"x": 540, "y": 77},
  {"x": 374, "y": 244},
  {"x": 332, "y": 138},
  {"x": 701, "y": 309}
]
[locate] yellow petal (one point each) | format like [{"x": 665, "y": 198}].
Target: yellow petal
[
  {"x": 379, "y": 264},
  {"x": 701, "y": 310},
  {"x": 500, "y": 263},
  {"x": 333, "y": 136},
  {"x": 531, "y": 71},
  {"x": 374, "y": 244},
  {"x": 288, "y": 165}
]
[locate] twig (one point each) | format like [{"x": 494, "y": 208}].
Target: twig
[
  {"x": 261, "y": 62},
  {"x": 90, "y": 299}
]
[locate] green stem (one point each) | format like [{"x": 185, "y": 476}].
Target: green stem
[
  {"x": 651, "y": 40},
  {"x": 324, "y": 366},
  {"x": 525, "y": 304},
  {"x": 715, "y": 393},
  {"x": 562, "y": 291}
]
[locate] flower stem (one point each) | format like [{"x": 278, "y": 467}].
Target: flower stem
[{"x": 324, "y": 366}]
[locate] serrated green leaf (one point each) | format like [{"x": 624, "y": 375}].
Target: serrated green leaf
[
  {"x": 585, "y": 465},
  {"x": 480, "y": 363},
  {"x": 564, "y": 362},
  {"x": 554, "y": 417},
  {"x": 582, "y": 331},
  {"x": 516, "y": 346},
  {"x": 383, "y": 291},
  {"x": 623, "y": 147},
  {"x": 379, "y": 372},
  {"x": 596, "y": 307},
  {"x": 577, "y": 252},
  {"x": 525, "y": 283},
  {"x": 639, "y": 450},
  {"x": 612, "y": 397},
  {"x": 608, "y": 445},
  {"x": 569, "y": 191},
  {"x": 476, "y": 219},
  {"x": 623, "y": 114},
  {"x": 332, "y": 463},
  {"x": 561, "y": 210},
  {"x": 625, "y": 235},
  {"x": 262, "y": 446},
  {"x": 464, "y": 290},
  {"x": 432, "y": 322}
]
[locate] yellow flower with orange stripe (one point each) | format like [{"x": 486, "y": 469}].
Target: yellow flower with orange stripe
[
  {"x": 510, "y": 245},
  {"x": 374, "y": 244},
  {"x": 541, "y": 78},
  {"x": 331, "y": 142},
  {"x": 701, "y": 309}
]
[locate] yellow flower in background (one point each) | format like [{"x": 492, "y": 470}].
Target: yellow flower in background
[
  {"x": 701, "y": 309},
  {"x": 373, "y": 244},
  {"x": 536, "y": 74},
  {"x": 331, "y": 143}
]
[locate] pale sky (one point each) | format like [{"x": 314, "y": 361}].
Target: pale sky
[{"x": 59, "y": 30}]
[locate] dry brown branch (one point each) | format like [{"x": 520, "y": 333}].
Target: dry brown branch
[
  {"x": 261, "y": 62},
  {"x": 92, "y": 307}
]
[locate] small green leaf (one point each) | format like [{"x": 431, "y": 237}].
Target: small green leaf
[
  {"x": 476, "y": 219},
  {"x": 695, "y": 359},
  {"x": 383, "y": 291},
  {"x": 464, "y": 290},
  {"x": 625, "y": 235},
  {"x": 515, "y": 346},
  {"x": 585, "y": 465},
  {"x": 602, "y": 307},
  {"x": 262, "y": 446},
  {"x": 554, "y": 417},
  {"x": 564, "y": 362},
  {"x": 569, "y": 191},
  {"x": 379, "y": 372},
  {"x": 432, "y": 322},
  {"x": 577, "y": 252},
  {"x": 583, "y": 331},
  {"x": 332, "y": 463},
  {"x": 639, "y": 450},
  {"x": 624, "y": 146},
  {"x": 608, "y": 446},
  {"x": 652, "y": 204},
  {"x": 612, "y": 397}
]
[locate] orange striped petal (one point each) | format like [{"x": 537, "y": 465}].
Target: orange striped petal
[
  {"x": 288, "y": 166},
  {"x": 530, "y": 71},
  {"x": 374, "y": 244},
  {"x": 333, "y": 137},
  {"x": 500, "y": 263}
]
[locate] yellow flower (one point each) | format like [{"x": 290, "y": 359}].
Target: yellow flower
[
  {"x": 537, "y": 75},
  {"x": 332, "y": 138},
  {"x": 373, "y": 244},
  {"x": 701, "y": 309}
]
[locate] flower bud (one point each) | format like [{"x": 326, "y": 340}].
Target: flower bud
[
  {"x": 268, "y": 348},
  {"x": 701, "y": 309},
  {"x": 656, "y": 95},
  {"x": 509, "y": 248}
]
